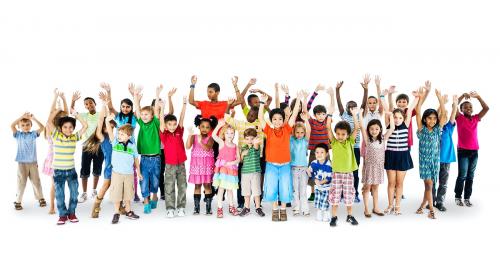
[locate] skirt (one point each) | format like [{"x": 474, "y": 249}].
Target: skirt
[{"x": 398, "y": 160}]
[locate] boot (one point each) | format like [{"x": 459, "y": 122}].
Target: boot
[
  {"x": 96, "y": 208},
  {"x": 208, "y": 202},
  {"x": 197, "y": 199}
]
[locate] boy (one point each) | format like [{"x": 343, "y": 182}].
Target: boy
[
  {"x": 64, "y": 163},
  {"x": 320, "y": 170},
  {"x": 251, "y": 171},
  {"x": 26, "y": 157},
  {"x": 171, "y": 134},
  {"x": 344, "y": 163}
]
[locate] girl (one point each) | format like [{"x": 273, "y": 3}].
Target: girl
[
  {"x": 397, "y": 156},
  {"x": 429, "y": 127},
  {"x": 298, "y": 146},
  {"x": 47, "y": 165},
  {"x": 226, "y": 167},
  {"x": 202, "y": 166},
  {"x": 373, "y": 167}
]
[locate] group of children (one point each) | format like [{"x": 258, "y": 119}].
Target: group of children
[{"x": 279, "y": 153}]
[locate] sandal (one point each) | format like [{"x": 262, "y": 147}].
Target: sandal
[
  {"x": 431, "y": 215},
  {"x": 17, "y": 206},
  {"x": 397, "y": 210},
  {"x": 420, "y": 210},
  {"x": 220, "y": 213},
  {"x": 42, "y": 203},
  {"x": 233, "y": 211},
  {"x": 380, "y": 214},
  {"x": 389, "y": 210},
  {"x": 283, "y": 216},
  {"x": 276, "y": 215}
]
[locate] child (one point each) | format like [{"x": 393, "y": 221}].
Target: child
[
  {"x": 123, "y": 157},
  {"x": 429, "y": 127},
  {"x": 468, "y": 146},
  {"x": 344, "y": 163},
  {"x": 397, "y": 157},
  {"x": 373, "y": 166},
  {"x": 148, "y": 146},
  {"x": 226, "y": 166},
  {"x": 161, "y": 182},
  {"x": 251, "y": 171},
  {"x": 26, "y": 157},
  {"x": 298, "y": 147},
  {"x": 171, "y": 134},
  {"x": 91, "y": 153},
  {"x": 202, "y": 162},
  {"x": 374, "y": 109},
  {"x": 447, "y": 156},
  {"x": 64, "y": 164},
  {"x": 345, "y": 114},
  {"x": 278, "y": 178},
  {"x": 320, "y": 170}
]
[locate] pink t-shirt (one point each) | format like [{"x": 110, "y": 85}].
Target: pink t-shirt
[{"x": 467, "y": 132}]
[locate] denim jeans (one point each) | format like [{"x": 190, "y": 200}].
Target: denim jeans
[
  {"x": 61, "y": 176},
  {"x": 150, "y": 171},
  {"x": 438, "y": 193},
  {"x": 467, "y": 162}
]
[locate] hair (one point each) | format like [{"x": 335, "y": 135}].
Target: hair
[
  {"x": 154, "y": 102},
  {"x": 251, "y": 96},
  {"x": 292, "y": 106},
  {"x": 92, "y": 144},
  {"x": 89, "y": 98},
  {"x": 463, "y": 104},
  {"x": 403, "y": 96},
  {"x": 379, "y": 136},
  {"x": 127, "y": 128},
  {"x": 343, "y": 125},
  {"x": 299, "y": 125},
  {"x": 214, "y": 86},
  {"x": 250, "y": 132},
  {"x": 222, "y": 132},
  {"x": 148, "y": 108},
  {"x": 130, "y": 115},
  {"x": 212, "y": 121},
  {"x": 169, "y": 117},
  {"x": 321, "y": 146},
  {"x": 372, "y": 97},
  {"x": 25, "y": 120},
  {"x": 349, "y": 105},
  {"x": 428, "y": 113},
  {"x": 276, "y": 111},
  {"x": 397, "y": 110},
  {"x": 58, "y": 116},
  {"x": 66, "y": 119},
  {"x": 319, "y": 109},
  {"x": 283, "y": 105}
]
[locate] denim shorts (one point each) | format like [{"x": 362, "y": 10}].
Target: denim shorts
[{"x": 278, "y": 184}]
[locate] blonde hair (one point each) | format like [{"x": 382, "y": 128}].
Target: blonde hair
[
  {"x": 92, "y": 144},
  {"x": 127, "y": 128},
  {"x": 222, "y": 132}
]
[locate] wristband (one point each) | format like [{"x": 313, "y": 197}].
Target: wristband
[
  {"x": 191, "y": 86},
  {"x": 329, "y": 115},
  {"x": 382, "y": 96}
]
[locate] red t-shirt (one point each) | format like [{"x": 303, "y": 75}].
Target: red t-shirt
[
  {"x": 208, "y": 108},
  {"x": 175, "y": 152}
]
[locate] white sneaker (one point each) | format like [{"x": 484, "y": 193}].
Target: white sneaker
[
  {"x": 181, "y": 212},
  {"x": 326, "y": 216},
  {"x": 94, "y": 194},
  {"x": 319, "y": 215},
  {"x": 170, "y": 213},
  {"x": 83, "y": 197}
]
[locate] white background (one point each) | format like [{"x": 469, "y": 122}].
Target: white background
[{"x": 58, "y": 44}]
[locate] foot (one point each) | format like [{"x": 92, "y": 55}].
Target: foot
[
  {"x": 122, "y": 210},
  {"x": 326, "y": 216},
  {"x": 319, "y": 215},
  {"x": 220, "y": 213},
  {"x": 352, "y": 220},
  {"x": 162, "y": 197},
  {"x": 288, "y": 205},
  {"x": 170, "y": 213},
  {"x": 459, "y": 202},
  {"x": 276, "y": 215},
  {"x": 244, "y": 212},
  {"x": 233, "y": 211},
  {"x": 356, "y": 199},
  {"x": 136, "y": 198},
  {"x": 132, "y": 215},
  {"x": 52, "y": 211},
  {"x": 116, "y": 218},
  {"x": 42, "y": 203},
  {"x": 333, "y": 221},
  {"x": 311, "y": 198},
  {"x": 296, "y": 212},
  {"x": 147, "y": 208},
  {"x": 389, "y": 210},
  {"x": 467, "y": 203},
  {"x": 420, "y": 211},
  {"x": 62, "y": 220},
  {"x": 283, "y": 216},
  {"x": 17, "y": 206},
  {"x": 397, "y": 210},
  {"x": 431, "y": 215},
  {"x": 94, "y": 194},
  {"x": 240, "y": 207},
  {"x": 153, "y": 203},
  {"x": 96, "y": 208},
  {"x": 368, "y": 214},
  {"x": 377, "y": 212},
  {"x": 72, "y": 218},
  {"x": 260, "y": 212},
  {"x": 82, "y": 198},
  {"x": 440, "y": 207},
  {"x": 181, "y": 212}
]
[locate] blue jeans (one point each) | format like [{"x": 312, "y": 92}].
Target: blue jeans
[
  {"x": 150, "y": 171},
  {"x": 467, "y": 162},
  {"x": 60, "y": 178},
  {"x": 278, "y": 183}
]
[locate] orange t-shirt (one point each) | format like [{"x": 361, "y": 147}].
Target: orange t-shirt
[
  {"x": 208, "y": 108},
  {"x": 278, "y": 144}
]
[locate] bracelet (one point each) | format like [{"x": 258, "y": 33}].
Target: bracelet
[
  {"x": 382, "y": 96},
  {"x": 191, "y": 86},
  {"x": 261, "y": 102},
  {"x": 329, "y": 115}
]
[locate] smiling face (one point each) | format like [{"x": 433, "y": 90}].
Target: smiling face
[
  {"x": 125, "y": 108},
  {"x": 249, "y": 140},
  {"x": 89, "y": 105},
  {"x": 402, "y": 103},
  {"x": 299, "y": 132},
  {"x": 123, "y": 136},
  {"x": 398, "y": 118},
  {"x": 321, "y": 116},
  {"x": 372, "y": 104},
  {"x": 277, "y": 120},
  {"x": 204, "y": 128},
  {"x": 466, "y": 109},
  {"x": 252, "y": 115},
  {"x": 229, "y": 134},
  {"x": 341, "y": 135},
  {"x": 320, "y": 154},
  {"x": 67, "y": 128},
  {"x": 146, "y": 115},
  {"x": 374, "y": 131},
  {"x": 171, "y": 126}
]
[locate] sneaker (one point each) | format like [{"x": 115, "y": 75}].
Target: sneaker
[
  {"x": 296, "y": 212},
  {"x": 260, "y": 212},
  {"x": 162, "y": 197},
  {"x": 244, "y": 212},
  {"x": 357, "y": 200},
  {"x": 319, "y": 215},
  {"x": 440, "y": 207},
  {"x": 459, "y": 202},
  {"x": 402, "y": 196},
  {"x": 147, "y": 208},
  {"x": 181, "y": 212},
  {"x": 132, "y": 215},
  {"x": 62, "y": 220},
  {"x": 170, "y": 213},
  {"x": 116, "y": 218},
  {"x": 333, "y": 222},
  {"x": 306, "y": 213},
  {"x": 153, "y": 203},
  {"x": 326, "y": 216},
  {"x": 288, "y": 205},
  {"x": 276, "y": 215},
  {"x": 72, "y": 218},
  {"x": 352, "y": 220},
  {"x": 233, "y": 211},
  {"x": 136, "y": 198},
  {"x": 467, "y": 203},
  {"x": 94, "y": 194},
  {"x": 83, "y": 197},
  {"x": 311, "y": 198},
  {"x": 220, "y": 213},
  {"x": 240, "y": 207}
]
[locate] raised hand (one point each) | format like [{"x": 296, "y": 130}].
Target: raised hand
[
  {"x": 427, "y": 86},
  {"x": 377, "y": 80},
  {"x": 110, "y": 117},
  {"x": 385, "y": 92},
  {"x": 194, "y": 79},
  {"x": 276, "y": 86},
  {"x": 474, "y": 94},
  {"x": 466, "y": 96},
  {"x": 56, "y": 93},
  {"x": 388, "y": 113},
  {"x": 264, "y": 97},
  {"x": 284, "y": 88},
  {"x": 339, "y": 85},
  {"x": 103, "y": 96},
  {"x": 73, "y": 112},
  {"x": 354, "y": 110},
  {"x": 230, "y": 101},
  {"x": 172, "y": 92},
  {"x": 366, "y": 81},
  {"x": 330, "y": 91},
  {"x": 190, "y": 131},
  {"x": 319, "y": 87},
  {"x": 256, "y": 141},
  {"x": 184, "y": 99},
  {"x": 158, "y": 90},
  {"x": 445, "y": 98},
  {"x": 131, "y": 89},
  {"x": 455, "y": 99},
  {"x": 438, "y": 95},
  {"x": 235, "y": 81},
  {"x": 105, "y": 86},
  {"x": 392, "y": 89},
  {"x": 252, "y": 81},
  {"x": 76, "y": 96},
  {"x": 304, "y": 115}
]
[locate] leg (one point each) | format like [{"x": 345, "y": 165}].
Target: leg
[
  {"x": 400, "y": 177},
  {"x": 220, "y": 194},
  {"x": 85, "y": 171},
  {"x": 169, "y": 183},
  {"x": 97, "y": 168},
  {"x": 146, "y": 177},
  {"x": 59, "y": 182},
  {"x": 22, "y": 178},
  {"x": 444, "y": 172},
  {"x": 366, "y": 190},
  {"x": 73, "y": 191},
  {"x": 355, "y": 173},
  {"x": 181, "y": 186},
  {"x": 463, "y": 167},
  {"x": 470, "y": 175},
  {"x": 296, "y": 189},
  {"x": 285, "y": 185},
  {"x": 161, "y": 180},
  {"x": 391, "y": 185},
  {"x": 303, "y": 179},
  {"x": 239, "y": 197},
  {"x": 35, "y": 181},
  {"x": 52, "y": 197},
  {"x": 155, "y": 177},
  {"x": 375, "y": 198}
]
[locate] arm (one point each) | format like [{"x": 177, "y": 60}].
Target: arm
[
  {"x": 392, "y": 89},
  {"x": 276, "y": 95},
  {"x": 138, "y": 168},
  {"x": 355, "y": 112},
  {"x": 239, "y": 97},
  {"x": 442, "y": 115},
  {"x": 194, "y": 79},
  {"x": 305, "y": 117},
  {"x": 295, "y": 112},
  {"x": 107, "y": 88},
  {"x": 262, "y": 121},
  {"x": 183, "y": 112},
  {"x": 331, "y": 108},
  {"x": 392, "y": 126},
  {"x": 285, "y": 89},
  {"x": 13, "y": 126},
  {"x": 364, "y": 135},
  {"x": 109, "y": 129},
  {"x": 454, "y": 109},
  {"x": 421, "y": 93},
  {"x": 40, "y": 125},
  {"x": 319, "y": 87},
  {"x": 162, "y": 119},
  {"x": 190, "y": 138},
  {"x": 74, "y": 98},
  {"x": 411, "y": 108},
  {"x": 102, "y": 113},
  {"x": 170, "y": 103},
  {"x": 84, "y": 124},
  {"x": 50, "y": 123},
  {"x": 379, "y": 93},
  {"x": 157, "y": 100},
  {"x": 339, "y": 101},
  {"x": 137, "y": 104},
  {"x": 427, "y": 87},
  {"x": 485, "y": 107},
  {"x": 216, "y": 131},
  {"x": 245, "y": 90},
  {"x": 269, "y": 98},
  {"x": 364, "y": 84}
]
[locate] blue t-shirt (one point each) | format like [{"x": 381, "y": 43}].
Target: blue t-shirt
[
  {"x": 298, "y": 149},
  {"x": 447, "y": 147},
  {"x": 321, "y": 171},
  {"x": 26, "y": 146},
  {"x": 122, "y": 158}
]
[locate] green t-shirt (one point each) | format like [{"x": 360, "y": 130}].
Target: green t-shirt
[
  {"x": 251, "y": 162},
  {"x": 92, "y": 120},
  {"x": 148, "y": 141},
  {"x": 343, "y": 158}
]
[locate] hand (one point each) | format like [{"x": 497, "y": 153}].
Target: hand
[
  {"x": 230, "y": 101},
  {"x": 421, "y": 92},
  {"x": 366, "y": 81},
  {"x": 264, "y": 98},
  {"x": 416, "y": 93},
  {"x": 304, "y": 115},
  {"x": 131, "y": 88},
  {"x": 194, "y": 80},
  {"x": 377, "y": 80},
  {"x": 105, "y": 86},
  {"x": 252, "y": 81},
  {"x": 76, "y": 96},
  {"x": 330, "y": 91},
  {"x": 172, "y": 92},
  {"x": 158, "y": 90},
  {"x": 385, "y": 92},
  {"x": 438, "y": 95},
  {"x": 339, "y": 85},
  {"x": 161, "y": 103},
  {"x": 235, "y": 81},
  {"x": 319, "y": 87},
  {"x": 392, "y": 89},
  {"x": 354, "y": 111},
  {"x": 276, "y": 86},
  {"x": 474, "y": 94},
  {"x": 56, "y": 93},
  {"x": 110, "y": 117},
  {"x": 256, "y": 141},
  {"x": 103, "y": 96},
  {"x": 388, "y": 113},
  {"x": 285, "y": 89},
  {"x": 304, "y": 94},
  {"x": 61, "y": 95},
  {"x": 244, "y": 153},
  {"x": 288, "y": 112},
  {"x": 427, "y": 86},
  {"x": 455, "y": 99},
  {"x": 317, "y": 182},
  {"x": 139, "y": 176},
  {"x": 466, "y": 96},
  {"x": 445, "y": 98},
  {"x": 190, "y": 131},
  {"x": 184, "y": 99},
  {"x": 74, "y": 112}
]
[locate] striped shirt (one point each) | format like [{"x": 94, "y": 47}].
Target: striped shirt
[
  {"x": 251, "y": 162},
  {"x": 398, "y": 141},
  {"x": 64, "y": 150},
  {"x": 319, "y": 133},
  {"x": 346, "y": 117}
]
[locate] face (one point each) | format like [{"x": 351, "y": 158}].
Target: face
[
  {"x": 320, "y": 154},
  {"x": 25, "y": 126},
  {"x": 171, "y": 126},
  {"x": 252, "y": 116},
  {"x": 229, "y": 134},
  {"x": 431, "y": 120},
  {"x": 351, "y": 105},
  {"x": 125, "y": 108},
  {"x": 89, "y": 105},
  {"x": 254, "y": 102},
  {"x": 374, "y": 130},
  {"x": 67, "y": 128},
  {"x": 212, "y": 94},
  {"x": 277, "y": 120},
  {"x": 467, "y": 109},
  {"x": 204, "y": 128},
  {"x": 320, "y": 116},
  {"x": 249, "y": 140},
  {"x": 372, "y": 104},
  {"x": 402, "y": 103},
  {"x": 146, "y": 116},
  {"x": 299, "y": 133},
  {"x": 123, "y": 136},
  {"x": 341, "y": 135},
  {"x": 398, "y": 119}
]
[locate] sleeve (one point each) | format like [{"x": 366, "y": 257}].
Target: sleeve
[
  {"x": 246, "y": 110},
  {"x": 140, "y": 122},
  {"x": 16, "y": 134},
  {"x": 180, "y": 130},
  {"x": 266, "y": 130},
  {"x": 201, "y": 106},
  {"x": 156, "y": 121},
  {"x": 287, "y": 99},
  {"x": 476, "y": 118},
  {"x": 135, "y": 153},
  {"x": 311, "y": 100}
]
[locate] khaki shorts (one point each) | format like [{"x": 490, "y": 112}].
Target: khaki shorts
[
  {"x": 121, "y": 188},
  {"x": 250, "y": 184}
]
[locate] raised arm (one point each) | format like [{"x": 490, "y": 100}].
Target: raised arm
[
  {"x": 170, "y": 103},
  {"x": 262, "y": 121},
  {"x": 13, "y": 126},
  {"x": 442, "y": 116},
  {"x": 109, "y": 129},
  {"x": 285, "y": 89},
  {"x": 412, "y": 107},
  {"x": 392, "y": 126},
  {"x": 239, "y": 98},
  {"x": 364, "y": 84},
  {"x": 76, "y": 96},
  {"x": 190, "y": 138},
  {"x": 107, "y": 88},
  {"x": 157, "y": 101},
  {"x": 40, "y": 125},
  {"x": 277, "y": 95},
  {"x": 485, "y": 107},
  {"x": 296, "y": 109},
  {"x": 137, "y": 103},
  {"x": 355, "y": 112},
  {"x": 183, "y": 112},
  {"x": 82, "y": 122},
  {"x": 162, "y": 119},
  {"x": 379, "y": 93},
  {"x": 421, "y": 93},
  {"x": 245, "y": 90},
  {"x": 339, "y": 101},
  {"x": 319, "y": 87},
  {"x": 216, "y": 138},
  {"x": 392, "y": 90},
  {"x": 194, "y": 80},
  {"x": 269, "y": 98},
  {"x": 100, "y": 121},
  {"x": 331, "y": 107},
  {"x": 454, "y": 109},
  {"x": 305, "y": 117},
  {"x": 364, "y": 135},
  {"x": 427, "y": 87}
]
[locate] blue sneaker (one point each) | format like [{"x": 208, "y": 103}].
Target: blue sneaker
[
  {"x": 153, "y": 204},
  {"x": 357, "y": 200},
  {"x": 147, "y": 208}
]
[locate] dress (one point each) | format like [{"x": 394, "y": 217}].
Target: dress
[
  {"x": 428, "y": 153},
  {"x": 47, "y": 164},
  {"x": 226, "y": 177},
  {"x": 397, "y": 154},
  {"x": 201, "y": 170},
  {"x": 373, "y": 172}
]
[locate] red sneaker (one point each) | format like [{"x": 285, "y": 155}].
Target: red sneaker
[
  {"x": 62, "y": 220},
  {"x": 72, "y": 218},
  {"x": 220, "y": 213}
]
